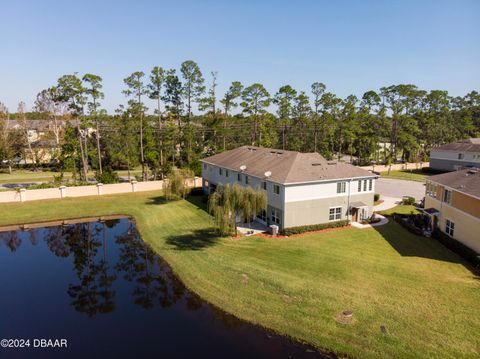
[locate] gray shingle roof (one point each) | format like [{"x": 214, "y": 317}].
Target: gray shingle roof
[
  {"x": 466, "y": 181},
  {"x": 469, "y": 145},
  {"x": 285, "y": 166}
]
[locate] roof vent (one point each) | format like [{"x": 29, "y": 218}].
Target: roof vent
[
  {"x": 268, "y": 174},
  {"x": 316, "y": 164},
  {"x": 243, "y": 168},
  {"x": 331, "y": 163},
  {"x": 251, "y": 149},
  {"x": 276, "y": 153}
]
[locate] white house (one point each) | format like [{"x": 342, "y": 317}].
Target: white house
[
  {"x": 302, "y": 188},
  {"x": 456, "y": 155}
]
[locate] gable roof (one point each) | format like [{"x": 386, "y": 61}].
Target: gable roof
[
  {"x": 285, "y": 166},
  {"x": 468, "y": 145},
  {"x": 466, "y": 181}
]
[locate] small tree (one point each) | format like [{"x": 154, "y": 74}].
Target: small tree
[
  {"x": 176, "y": 185},
  {"x": 229, "y": 201}
]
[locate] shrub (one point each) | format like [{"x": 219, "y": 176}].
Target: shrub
[
  {"x": 458, "y": 247},
  {"x": 408, "y": 200},
  {"x": 376, "y": 197},
  {"x": 107, "y": 176},
  {"x": 314, "y": 227}
]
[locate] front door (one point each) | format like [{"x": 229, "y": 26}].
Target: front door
[{"x": 354, "y": 214}]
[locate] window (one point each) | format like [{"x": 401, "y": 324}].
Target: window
[
  {"x": 239, "y": 177},
  {"x": 247, "y": 180},
  {"x": 359, "y": 186},
  {"x": 204, "y": 166},
  {"x": 262, "y": 215},
  {"x": 341, "y": 187},
  {"x": 276, "y": 189},
  {"x": 449, "y": 227},
  {"x": 364, "y": 185},
  {"x": 460, "y": 156},
  {"x": 275, "y": 216},
  {"x": 370, "y": 184},
  {"x": 264, "y": 185},
  {"x": 227, "y": 173},
  {"x": 220, "y": 171},
  {"x": 447, "y": 196},
  {"x": 335, "y": 213},
  {"x": 431, "y": 189}
]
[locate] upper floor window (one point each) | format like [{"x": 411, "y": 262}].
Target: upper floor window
[
  {"x": 431, "y": 189},
  {"x": 447, "y": 196},
  {"x": 460, "y": 156},
  {"x": 360, "y": 186},
  {"x": 370, "y": 184},
  {"x": 341, "y": 186},
  {"x": 204, "y": 166},
  {"x": 247, "y": 180},
  {"x": 227, "y": 173},
  {"x": 220, "y": 171},
  {"x": 276, "y": 189},
  {"x": 239, "y": 177},
  {"x": 449, "y": 227},
  {"x": 364, "y": 185},
  {"x": 264, "y": 185}
]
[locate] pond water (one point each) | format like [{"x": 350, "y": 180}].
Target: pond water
[{"x": 101, "y": 288}]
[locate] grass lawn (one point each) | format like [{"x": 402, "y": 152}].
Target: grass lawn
[
  {"x": 25, "y": 176},
  {"x": 413, "y": 175},
  {"x": 425, "y": 295},
  {"x": 401, "y": 209}
]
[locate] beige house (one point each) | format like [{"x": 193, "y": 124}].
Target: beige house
[
  {"x": 453, "y": 201},
  {"x": 302, "y": 188}
]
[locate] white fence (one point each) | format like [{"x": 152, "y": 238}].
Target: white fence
[
  {"x": 397, "y": 166},
  {"x": 99, "y": 189}
]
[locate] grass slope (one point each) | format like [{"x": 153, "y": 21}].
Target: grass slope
[
  {"x": 412, "y": 175},
  {"x": 425, "y": 295}
]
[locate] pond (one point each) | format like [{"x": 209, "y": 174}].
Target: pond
[{"x": 98, "y": 286}]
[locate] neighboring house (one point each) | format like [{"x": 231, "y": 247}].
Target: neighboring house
[
  {"x": 456, "y": 155},
  {"x": 453, "y": 202},
  {"x": 302, "y": 188}
]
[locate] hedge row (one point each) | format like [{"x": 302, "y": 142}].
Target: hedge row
[
  {"x": 458, "y": 247},
  {"x": 314, "y": 227}
]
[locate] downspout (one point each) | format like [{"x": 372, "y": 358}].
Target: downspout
[{"x": 348, "y": 203}]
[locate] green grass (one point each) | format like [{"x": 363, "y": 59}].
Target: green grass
[
  {"x": 401, "y": 209},
  {"x": 25, "y": 176},
  {"x": 413, "y": 175},
  {"x": 425, "y": 295}
]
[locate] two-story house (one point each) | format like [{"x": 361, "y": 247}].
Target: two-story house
[
  {"x": 302, "y": 188},
  {"x": 456, "y": 155},
  {"x": 453, "y": 201}
]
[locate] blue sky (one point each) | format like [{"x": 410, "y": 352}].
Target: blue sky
[{"x": 351, "y": 46}]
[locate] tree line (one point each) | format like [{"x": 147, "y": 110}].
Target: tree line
[{"x": 188, "y": 120}]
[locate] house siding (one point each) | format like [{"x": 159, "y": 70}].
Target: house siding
[
  {"x": 467, "y": 227},
  {"x": 448, "y": 160}
]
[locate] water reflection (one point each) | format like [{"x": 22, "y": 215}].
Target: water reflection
[{"x": 115, "y": 283}]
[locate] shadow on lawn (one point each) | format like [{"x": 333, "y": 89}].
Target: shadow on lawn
[
  {"x": 194, "y": 241},
  {"x": 410, "y": 245},
  {"x": 156, "y": 200}
]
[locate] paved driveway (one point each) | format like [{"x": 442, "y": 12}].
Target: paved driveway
[{"x": 398, "y": 188}]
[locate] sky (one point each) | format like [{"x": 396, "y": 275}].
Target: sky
[{"x": 351, "y": 46}]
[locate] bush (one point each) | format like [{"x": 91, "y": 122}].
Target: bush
[
  {"x": 107, "y": 176},
  {"x": 376, "y": 197},
  {"x": 314, "y": 227},
  {"x": 458, "y": 247},
  {"x": 408, "y": 200}
]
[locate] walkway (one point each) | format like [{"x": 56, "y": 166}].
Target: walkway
[
  {"x": 251, "y": 229},
  {"x": 388, "y": 202},
  {"x": 383, "y": 221}
]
